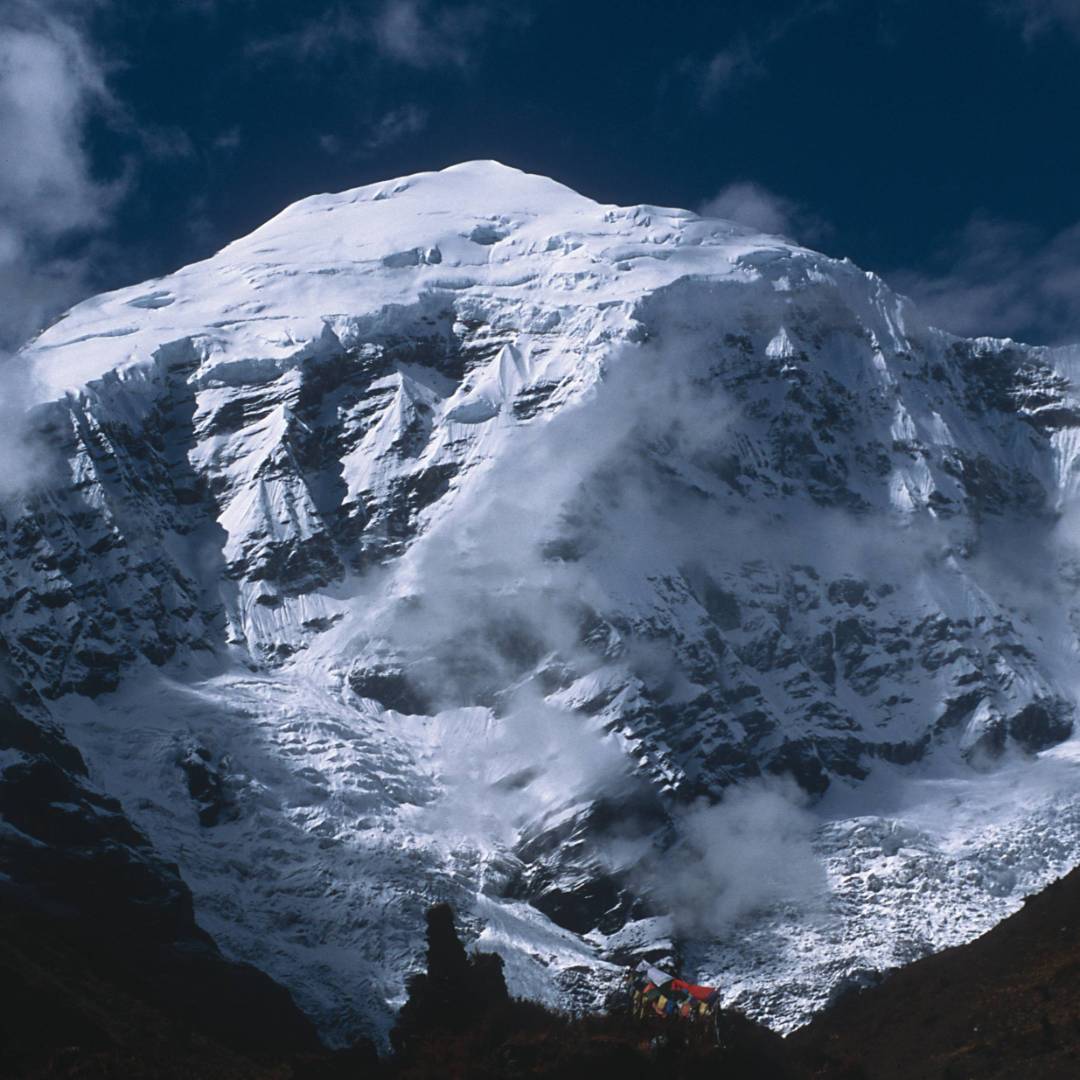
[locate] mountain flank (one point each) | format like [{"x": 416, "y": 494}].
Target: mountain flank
[{"x": 458, "y": 538}]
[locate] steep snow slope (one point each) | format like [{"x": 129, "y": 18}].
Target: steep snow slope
[{"x": 452, "y": 536}]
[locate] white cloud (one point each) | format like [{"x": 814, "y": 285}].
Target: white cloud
[
  {"x": 50, "y": 82},
  {"x": 752, "y": 205},
  {"x": 229, "y": 140},
  {"x": 1037, "y": 17},
  {"x": 423, "y": 34},
  {"x": 743, "y": 855},
  {"x": 748, "y": 203},
  {"x": 727, "y": 68},
  {"x": 317, "y": 38},
  {"x": 1005, "y": 279},
  {"x": 397, "y": 124},
  {"x": 405, "y": 30},
  {"x": 330, "y": 144},
  {"x": 743, "y": 58}
]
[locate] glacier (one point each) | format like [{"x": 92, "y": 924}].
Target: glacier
[{"x": 641, "y": 584}]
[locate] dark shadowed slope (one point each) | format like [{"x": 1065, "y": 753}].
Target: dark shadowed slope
[
  {"x": 77, "y": 1004},
  {"x": 1004, "y": 1006},
  {"x": 103, "y": 967}
]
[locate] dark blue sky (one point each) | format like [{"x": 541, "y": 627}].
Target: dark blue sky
[{"x": 934, "y": 141}]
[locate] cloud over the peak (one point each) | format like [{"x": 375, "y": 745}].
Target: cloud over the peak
[
  {"x": 396, "y": 124},
  {"x": 1005, "y": 279},
  {"x": 734, "y": 64},
  {"x": 1037, "y": 17},
  {"x": 421, "y": 34},
  {"x": 50, "y": 82},
  {"x": 424, "y": 35},
  {"x": 320, "y": 36},
  {"x": 743, "y": 58},
  {"x": 748, "y": 203}
]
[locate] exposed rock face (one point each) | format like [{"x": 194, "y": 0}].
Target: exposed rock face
[{"x": 466, "y": 520}]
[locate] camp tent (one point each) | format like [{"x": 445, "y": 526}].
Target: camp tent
[{"x": 655, "y": 990}]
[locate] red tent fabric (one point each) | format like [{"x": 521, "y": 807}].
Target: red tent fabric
[{"x": 701, "y": 993}]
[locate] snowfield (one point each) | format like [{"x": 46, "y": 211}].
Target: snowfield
[{"x": 639, "y": 584}]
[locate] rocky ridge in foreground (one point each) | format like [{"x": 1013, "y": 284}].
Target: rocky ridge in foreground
[{"x": 1004, "y": 1006}]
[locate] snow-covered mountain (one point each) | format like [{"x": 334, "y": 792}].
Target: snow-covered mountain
[{"x": 614, "y": 573}]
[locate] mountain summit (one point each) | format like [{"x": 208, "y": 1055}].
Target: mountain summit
[
  {"x": 479, "y": 226},
  {"x": 636, "y": 582}
]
